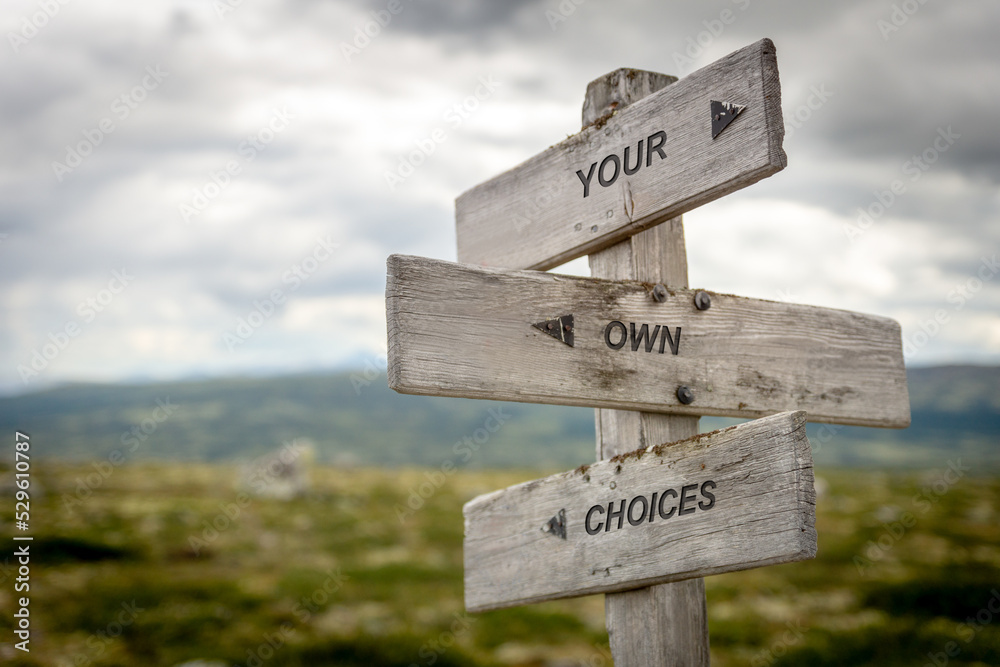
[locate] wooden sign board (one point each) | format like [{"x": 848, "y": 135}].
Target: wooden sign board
[
  {"x": 529, "y": 336},
  {"x": 734, "y": 499},
  {"x": 653, "y": 160}
]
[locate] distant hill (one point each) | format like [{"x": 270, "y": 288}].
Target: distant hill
[{"x": 354, "y": 420}]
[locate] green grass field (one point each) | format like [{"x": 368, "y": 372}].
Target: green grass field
[{"x": 135, "y": 573}]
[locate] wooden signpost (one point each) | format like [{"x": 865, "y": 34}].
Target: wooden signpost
[
  {"x": 730, "y": 500},
  {"x": 458, "y": 330},
  {"x": 641, "y": 166},
  {"x": 650, "y": 519}
]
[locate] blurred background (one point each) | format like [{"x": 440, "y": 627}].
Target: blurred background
[{"x": 198, "y": 200}]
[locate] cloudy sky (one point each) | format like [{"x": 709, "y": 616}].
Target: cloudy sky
[{"x": 169, "y": 169}]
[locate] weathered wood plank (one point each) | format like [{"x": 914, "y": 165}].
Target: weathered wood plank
[
  {"x": 459, "y": 330},
  {"x": 733, "y": 499},
  {"x": 665, "y": 624},
  {"x": 536, "y": 214},
  {"x": 656, "y": 255},
  {"x": 618, "y": 89},
  {"x": 660, "y": 625}
]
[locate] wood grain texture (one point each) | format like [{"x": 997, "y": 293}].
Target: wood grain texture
[
  {"x": 666, "y": 624},
  {"x": 618, "y": 89},
  {"x": 619, "y": 431},
  {"x": 535, "y": 215},
  {"x": 460, "y": 330},
  {"x": 656, "y": 255},
  {"x": 763, "y": 513}
]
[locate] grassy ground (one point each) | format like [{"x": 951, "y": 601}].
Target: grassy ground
[{"x": 133, "y": 573}]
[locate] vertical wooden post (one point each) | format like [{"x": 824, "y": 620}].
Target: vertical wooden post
[{"x": 664, "y": 625}]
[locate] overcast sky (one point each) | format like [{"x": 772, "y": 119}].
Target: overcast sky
[{"x": 170, "y": 168}]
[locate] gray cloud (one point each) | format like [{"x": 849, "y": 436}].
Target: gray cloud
[{"x": 354, "y": 120}]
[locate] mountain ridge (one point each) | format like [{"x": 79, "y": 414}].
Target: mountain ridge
[{"x": 353, "y": 418}]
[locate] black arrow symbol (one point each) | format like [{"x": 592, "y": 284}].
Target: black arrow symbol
[
  {"x": 560, "y": 328},
  {"x": 556, "y": 525},
  {"x": 724, "y": 113}
]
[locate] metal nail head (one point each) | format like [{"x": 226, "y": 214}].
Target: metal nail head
[
  {"x": 702, "y": 301},
  {"x": 685, "y": 395},
  {"x": 659, "y": 293}
]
